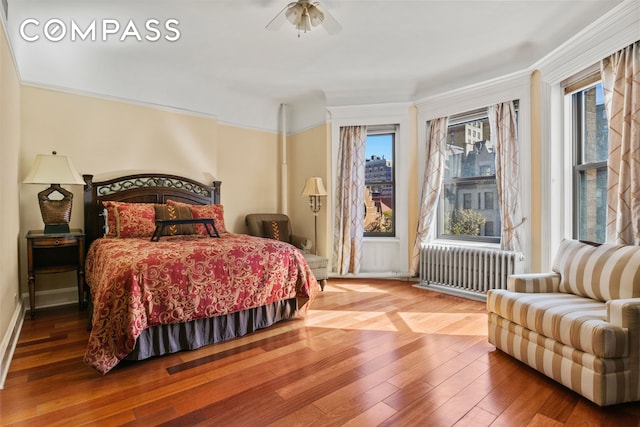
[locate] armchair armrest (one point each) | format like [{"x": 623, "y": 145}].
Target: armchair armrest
[
  {"x": 301, "y": 242},
  {"x": 534, "y": 283},
  {"x": 624, "y": 312}
]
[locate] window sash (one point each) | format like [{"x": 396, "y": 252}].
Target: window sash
[
  {"x": 456, "y": 121},
  {"x": 585, "y": 208},
  {"x": 385, "y": 130},
  {"x": 441, "y": 212}
]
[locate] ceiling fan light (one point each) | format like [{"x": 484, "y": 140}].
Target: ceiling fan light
[
  {"x": 315, "y": 16},
  {"x": 294, "y": 14},
  {"x": 304, "y": 24}
]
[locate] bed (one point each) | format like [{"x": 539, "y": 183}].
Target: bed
[{"x": 190, "y": 287}]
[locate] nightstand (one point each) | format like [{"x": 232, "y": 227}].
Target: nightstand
[{"x": 54, "y": 253}]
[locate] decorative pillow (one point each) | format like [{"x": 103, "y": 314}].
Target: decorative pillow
[
  {"x": 205, "y": 211},
  {"x": 603, "y": 273},
  {"x": 164, "y": 212},
  {"x": 132, "y": 219},
  {"x": 278, "y": 230}
]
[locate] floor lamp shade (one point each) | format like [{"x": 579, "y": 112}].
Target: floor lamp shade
[
  {"x": 55, "y": 170},
  {"x": 314, "y": 187}
]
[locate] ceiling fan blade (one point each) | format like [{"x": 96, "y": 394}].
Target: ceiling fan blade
[
  {"x": 329, "y": 22},
  {"x": 279, "y": 19}
]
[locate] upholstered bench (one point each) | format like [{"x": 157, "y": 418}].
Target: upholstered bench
[
  {"x": 318, "y": 266},
  {"x": 279, "y": 227},
  {"x": 580, "y": 324}
]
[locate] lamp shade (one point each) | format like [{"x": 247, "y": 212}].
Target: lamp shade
[
  {"x": 304, "y": 23},
  {"x": 53, "y": 169},
  {"x": 294, "y": 14},
  {"x": 315, "y": 16},
  {"x": 314, "y": 187}
]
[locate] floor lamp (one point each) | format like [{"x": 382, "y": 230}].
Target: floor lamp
[{"x": 314, "y": 188}]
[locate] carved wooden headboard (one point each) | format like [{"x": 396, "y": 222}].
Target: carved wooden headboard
[{"x": 141, "y": 188}]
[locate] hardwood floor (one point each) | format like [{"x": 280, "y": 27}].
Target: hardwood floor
[{"x": 369, "y": 352}]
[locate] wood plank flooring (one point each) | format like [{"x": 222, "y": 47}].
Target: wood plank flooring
[{"x": 369, "y": 352}]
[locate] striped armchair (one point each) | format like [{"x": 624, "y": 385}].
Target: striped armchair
[{"x": 580, "y": 324}]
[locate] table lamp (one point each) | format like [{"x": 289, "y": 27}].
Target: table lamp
[{"x": 55, "y": 170}]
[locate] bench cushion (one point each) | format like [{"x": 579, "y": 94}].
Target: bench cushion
[
  {"x": 572, "y": 320},
  {"x": 317, "y": 264},
  {"x": 603, "y": 273}
]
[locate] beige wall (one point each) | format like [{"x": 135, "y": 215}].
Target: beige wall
[
  {"x": 108, "y": 138},
  {"x": 105, "y": 138},
  {"x": 308, "y": 155},
  {"x": 248, "y": 167},
  {"x": 10, "y": 233}
]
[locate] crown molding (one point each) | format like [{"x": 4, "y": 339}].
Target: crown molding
[
  {"x": 370, "y": 113},
  {"x": 612, "y": 32},
  {"x": 118, "y": 99},
  {"x": 474, "y": 96}
]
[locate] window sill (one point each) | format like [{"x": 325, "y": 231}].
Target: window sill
[{"x": 381, "y": 239}]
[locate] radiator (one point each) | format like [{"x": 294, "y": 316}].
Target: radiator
[{"x": 466, "y": 270}]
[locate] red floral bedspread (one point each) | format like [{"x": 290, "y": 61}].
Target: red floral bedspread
[{"x": 136, "y": 283}]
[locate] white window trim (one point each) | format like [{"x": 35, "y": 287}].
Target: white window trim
[
  {"x": 386, "y": 129},
  {"x": 380, "y": 115},
  {"x": 473, "y": 98},
  {"x": 612, "y": 32}
]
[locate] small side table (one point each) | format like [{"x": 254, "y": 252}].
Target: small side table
[{"x": 54, "y": 253}]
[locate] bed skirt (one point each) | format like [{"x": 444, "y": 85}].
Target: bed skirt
[{"x": 165, "y": 339}]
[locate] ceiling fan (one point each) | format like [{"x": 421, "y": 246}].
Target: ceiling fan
[{"x": 303, "y": 15}]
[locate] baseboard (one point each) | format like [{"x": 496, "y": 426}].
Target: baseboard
[
  {"x": 9, "y": 342},
  {"x": 374, "y": 275}
]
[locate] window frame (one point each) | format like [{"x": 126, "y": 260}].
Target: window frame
[
  {"x": 579, "y": 166},
  {"x": 456, "y": 120},
  {"x": 393, "y": 131}
]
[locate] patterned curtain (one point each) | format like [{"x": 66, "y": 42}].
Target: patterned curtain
[
  {"x": 621, "y": 83},
  {"x": 432, "y": 183},
  {"x": 504, "y": 133},
  {"x": 349, "y": 219}
]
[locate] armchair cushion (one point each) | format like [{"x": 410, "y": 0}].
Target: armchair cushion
[
  {"x": 603, "y": 273},
  {"x": 255, "y": 222},
  {"x": 278, "y": 230},
  {"x": 259, "y": 225},
  {"x": 575, "y": 321},
  {"x": 536, "y": 282},
  {"x": 301, "y": 243}
]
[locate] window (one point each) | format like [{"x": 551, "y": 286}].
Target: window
[
  {"x": 470, "y": 175},
  {"x": 466, "y": 201},
  {"x": 379, "y": 180},
  {"x": 488, "y": 228},
  {"x": 488, "y": 200},
  {"x": 591, "y": 144}
]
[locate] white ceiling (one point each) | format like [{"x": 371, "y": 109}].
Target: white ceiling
[{"x": 387, "y": 51}]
